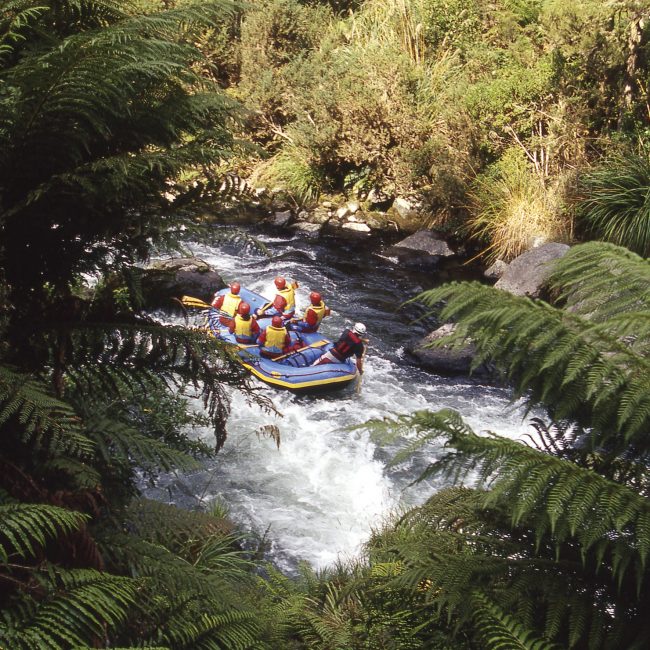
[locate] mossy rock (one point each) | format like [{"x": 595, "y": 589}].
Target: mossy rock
[{"x": 173, "y": 278}]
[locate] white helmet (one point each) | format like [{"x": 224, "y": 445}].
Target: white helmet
[{"x": 359, "y": 328}]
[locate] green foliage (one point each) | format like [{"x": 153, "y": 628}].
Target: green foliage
[
  {"x": 291, "y": 170},
  {"x": 583, "y": 279},
  {"x": 24, "y": 528},
  {"x": 499, "y": 631},
  {"x": 506, "y": 98},
  {"x": 616, "y": 202}
]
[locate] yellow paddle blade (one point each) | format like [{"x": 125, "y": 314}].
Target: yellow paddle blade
[{"x": 190, "y": 301}]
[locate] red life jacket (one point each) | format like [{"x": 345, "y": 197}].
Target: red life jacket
[{"x": 347, "y": 345}]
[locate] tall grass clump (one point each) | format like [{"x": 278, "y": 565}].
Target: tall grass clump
[
  {"x": 616, "y": 203},
  {"x": 389, "y": 23},
  {"x": 513, "y": 210},
  {"x": 291, "y": 170}
]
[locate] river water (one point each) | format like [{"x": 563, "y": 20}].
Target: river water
[{"x": 318, "y": 496}]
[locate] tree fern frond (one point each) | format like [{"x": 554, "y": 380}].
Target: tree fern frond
[
  {"x": 593, "y": 508},
  {"x": 587, "y": 384},
  {"x": 602, "y": 280},
  {"x": 25, "y": 527},
  {"x": 78, "y": 604},
  {"x": 47, "y": 422},
  {"x": 117, "y": 440},
  {"x": 211, "y": 631},
  {"x": 130, "y": 359},
  {"x": 501, "y": 631}
]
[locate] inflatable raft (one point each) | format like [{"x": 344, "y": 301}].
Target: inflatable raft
[{"x": 294, "y": 370}]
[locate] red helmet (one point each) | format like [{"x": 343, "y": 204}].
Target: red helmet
[
  {"x": 235, "y": 288},
  {"x": 315, "y": 298},
  {"x": 280, "y": 282},
  {"x": 244, "y": 308},
  {"x": 276, "y": 321}
]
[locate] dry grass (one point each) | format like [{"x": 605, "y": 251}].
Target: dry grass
[{"x": 514, "y": 210}]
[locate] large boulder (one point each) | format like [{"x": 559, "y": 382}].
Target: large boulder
[
  {"x": 172, "y": 278},
  {"x": 527, "y": 274},
  {"x": 444, "y": 360},
  {"x": 423, "y": 248}
]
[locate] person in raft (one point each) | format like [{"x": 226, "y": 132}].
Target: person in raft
[
  {"x": 313, "y": 316},
  {"x": 274, "y": 339},
  {"x": 244, "y": 326},
  {"x": 284, "y": 303},
  {"x": 227, "y": 303},
  {"x": 349, "y": 343}
]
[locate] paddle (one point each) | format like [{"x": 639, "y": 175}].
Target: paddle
[
  {"x": 190, "y": 301},
  {"x": 363, "y": 354}
]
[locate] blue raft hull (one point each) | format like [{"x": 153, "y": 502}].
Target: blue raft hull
[{"x": 294, "y": 371}]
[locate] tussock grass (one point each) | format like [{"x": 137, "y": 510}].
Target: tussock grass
[
  {"x": 616, "y": 203},
  {"x": 290, "y": 169},
  {"x": 513, "y": 210}
]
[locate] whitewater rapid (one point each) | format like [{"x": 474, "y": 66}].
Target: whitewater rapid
[{"x": 318, "y": 496}]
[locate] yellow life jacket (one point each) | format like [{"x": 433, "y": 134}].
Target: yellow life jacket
[
  {"x": 289, "y": 294},
  {"x": 275, "y": 338},
  {"x": 319, "y": 310},
  {"x": 243, "y": 329},
  {"x": 230, "y": 303}
]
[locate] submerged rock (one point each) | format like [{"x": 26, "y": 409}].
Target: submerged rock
[
  {"x": 445, "y": 360},
  {"x": 282, "y": 218},
  {"x": 496, "y": 270}
]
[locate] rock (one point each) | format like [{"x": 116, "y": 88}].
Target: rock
[
  {"x": 281, "y": 219},
  {"x": 402, "y": 207},
  {"x": 307, "y": 229},
  {"x": 496, "y": 270},
  {"x": 172, "y": 278},
  {"x": 379, "y": 199},
  {"x": 327, "y": 204},
  {"x": 444, "y": 360},
  {"x": 423, "y": 248},
  {"x": 527, "y": 274},
  {"x": 342, "y": 212},
  {"x": 377, "y": 195},
  {"x": 353, "y": 207},
  {"x": 356, "y": 226},
  {"x": 319, "y": 215}
]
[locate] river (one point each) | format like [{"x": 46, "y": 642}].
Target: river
[{"x": 318, "y": 496}]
